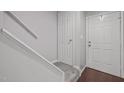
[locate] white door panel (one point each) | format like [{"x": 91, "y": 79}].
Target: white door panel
[
  {"x": 104, "y": 49},
  {"x": 65, "y": 33}
]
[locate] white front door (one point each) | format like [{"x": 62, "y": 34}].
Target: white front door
[
  {"x": 104, "y": 42},
  {"x": 65, "y": 37}
]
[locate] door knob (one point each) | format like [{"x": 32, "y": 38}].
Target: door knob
[{"x": 70, "y": 40}]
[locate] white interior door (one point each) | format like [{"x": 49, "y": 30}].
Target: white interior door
[
  {"x": 65, "y": 39},
  {"x": 104, "y": 42}
]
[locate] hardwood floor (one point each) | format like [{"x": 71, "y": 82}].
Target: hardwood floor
[{"x": 91, "y": 75}]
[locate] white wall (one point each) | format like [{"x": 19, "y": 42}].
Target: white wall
[
  {"x": 80, "y": 38},
  {"x": 44, "y": 24}
]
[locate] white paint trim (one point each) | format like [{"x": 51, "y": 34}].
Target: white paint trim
[
  {"x": 82, "y": 70},
  {"x": 77, "y": 67},
  {"x": 54, "y": 61},
  {"x": 57, "y": 38},
  {"x": 122, "y": 46},
  {"x": 87, "y": 39}
]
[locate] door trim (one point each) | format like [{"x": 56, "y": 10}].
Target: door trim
[
  {"x": 122, "y": 45},
  {"x": 121, "y": 40}
]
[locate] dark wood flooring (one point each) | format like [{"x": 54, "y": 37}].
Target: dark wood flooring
[{"x": 91, "y": 75}]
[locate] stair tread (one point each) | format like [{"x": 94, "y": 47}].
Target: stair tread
[{"x": 71, "y": 73}]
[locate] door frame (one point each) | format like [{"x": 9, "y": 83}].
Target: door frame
[{"x": 121, "y": 41}]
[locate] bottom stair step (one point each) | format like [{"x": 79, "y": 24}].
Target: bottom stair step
[{"x": 71, "y": 74}]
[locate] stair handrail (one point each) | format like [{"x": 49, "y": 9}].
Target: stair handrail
[{"x": 17, "y": 19}]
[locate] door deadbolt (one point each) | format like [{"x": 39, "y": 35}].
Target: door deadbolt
[{"x": 89, "y": 43}]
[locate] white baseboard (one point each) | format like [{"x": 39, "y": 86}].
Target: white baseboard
[
  {"x": 77, "y": 67},
  {"x": 54, "y": 61},
  {"x": 80, "y": 70},
  {"x": 83, "y": 69}
]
